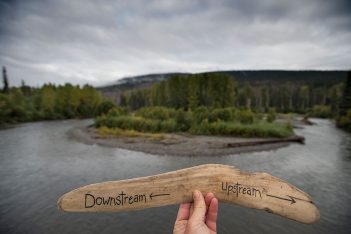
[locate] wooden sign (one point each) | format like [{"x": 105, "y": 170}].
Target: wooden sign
[{"x": 257, "y": 190}]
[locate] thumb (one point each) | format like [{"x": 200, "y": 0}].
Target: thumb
[{"x": 199, "y": 207}]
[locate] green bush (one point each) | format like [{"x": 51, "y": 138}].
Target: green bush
[
  {"x": 213, "y": 122},
  {"x": 169, "y": 125},
  {"x": 271, "y": 115},
  {"x": 245, "y": 116},
  {"x": 200, "y": 114},
  {"x": 183, "y": 120},
  {"x": 137, "y": 123},
  {"x": 128, "y": 122},
  {"x": 157, "y": 112},
  {"x": 320, "y": 111},
  {"x": 344, "y": 121},
  {"x": 117, "y": 111},
  {"x": 259, "y": 129},
  {"x": 223, "y": 114},
  {"x": 104, "y": 107}
]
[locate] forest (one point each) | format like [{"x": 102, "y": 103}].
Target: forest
[
  {"x": 311, "y": 97},
  {"x": 343, "y": 120},
  {"x": 198, "y": 104},
  {"x": 25, "y": 103},
  {"x": 217, "y": 97}
]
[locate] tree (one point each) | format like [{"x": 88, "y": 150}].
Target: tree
[
  {"x": 105, "y": 106},
  {"x": 90, "y": 99},
  {"x": 47, "y": 101},
  {"x": 264, "y": 98},
  {"x": 5, "y": 80},
  {"x": 249, "y": 95},
  {"x": 304, "y": 97}
]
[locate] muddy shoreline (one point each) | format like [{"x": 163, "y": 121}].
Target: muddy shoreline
[{"x": 184, "y": 144}]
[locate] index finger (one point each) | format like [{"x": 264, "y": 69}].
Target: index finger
[{"x": 183, "y": 212}]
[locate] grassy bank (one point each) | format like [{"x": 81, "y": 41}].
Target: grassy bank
[
  {"x": 201, "y": 121},
  {"x": 106, "y": 132}
]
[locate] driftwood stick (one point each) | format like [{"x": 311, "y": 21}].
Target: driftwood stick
[{"x": 257, "y": 190}]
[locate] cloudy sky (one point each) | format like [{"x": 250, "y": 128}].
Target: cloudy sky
[{"x": 98, "y": 42}]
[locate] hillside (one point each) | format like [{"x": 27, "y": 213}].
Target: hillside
[
  {"x": 254, "y": 77},
  {"x": 114, "y": 91}
]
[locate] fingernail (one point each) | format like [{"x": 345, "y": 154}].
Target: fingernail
[{"x": 196, "y": 194}]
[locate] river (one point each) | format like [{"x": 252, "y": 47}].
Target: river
[{"x": 39, "y": 163}]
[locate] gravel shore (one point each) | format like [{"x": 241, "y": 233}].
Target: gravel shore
[{"x": 184, "y": 144}]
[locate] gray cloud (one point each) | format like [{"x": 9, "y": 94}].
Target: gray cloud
[{"x": 100, "y": 41}]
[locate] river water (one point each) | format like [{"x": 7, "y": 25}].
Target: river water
[{"x": 39, "y": 163}]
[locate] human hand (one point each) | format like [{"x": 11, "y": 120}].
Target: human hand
[{"x": 199, "y": 216}]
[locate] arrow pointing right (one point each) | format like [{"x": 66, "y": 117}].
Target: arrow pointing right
[{"x": 290, "y": 199}]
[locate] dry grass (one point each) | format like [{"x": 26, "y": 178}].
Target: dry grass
[{"x": 105, "y": 132}]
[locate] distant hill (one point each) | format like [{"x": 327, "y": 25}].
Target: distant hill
[
  {"x": 254, "y": 77},
  {"x": 114, "y": 91},
  {"x": 283, "y": 76}
]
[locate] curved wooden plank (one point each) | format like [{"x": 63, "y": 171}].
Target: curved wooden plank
[{"x": 253, "y": 190}]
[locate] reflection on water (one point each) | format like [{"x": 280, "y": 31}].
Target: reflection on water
[{"x": 39, "y": 163}]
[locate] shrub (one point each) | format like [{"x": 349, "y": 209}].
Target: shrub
[
  {"x": 271, "y": 115},
  {"x": 258, "y": 129},
  {"x": 104, "y": 107},
  {"x": 202, "y": 128},
  {"x": 320, "y": 111},
  {"x": 169, "y": 125},
  {"x": 157, "y": 122},
  {"x": 344, "y": 121},
  {"x": 157, "y": 112},
  {"x": 117, "y": 111},
  {"x": 183, "y": 120},
  {"x": 223, "y": 114},
  {"x": 137, "y": 123},
  {"x": 245, "y": 116},
  {"x": 200, "y": 114}
]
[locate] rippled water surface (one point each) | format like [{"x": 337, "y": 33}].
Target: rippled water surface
[{"x": 39, "y": 163}]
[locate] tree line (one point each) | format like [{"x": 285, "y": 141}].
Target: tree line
[
  {"x": 211, "y": 90},
  {"x": 25, "y": 103},
  {"x": 344, "y": 118},
  {"x": 220, "y": 90}
]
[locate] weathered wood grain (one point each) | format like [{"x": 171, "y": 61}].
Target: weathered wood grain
[{"x": 253, "y": 190}]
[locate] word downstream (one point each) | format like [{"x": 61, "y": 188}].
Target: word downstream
[
  {"x": 238, "y": 189},
  {"x": 120, "y": 199}
]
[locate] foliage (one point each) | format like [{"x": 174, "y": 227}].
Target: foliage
[
  {"x": 211, "y": 90},
  {"x": 183, "y": 119},
  {"x": 213, "y": 121},
  {"x": 344, "y": 118},
  {"x": 246, "y": 116},
  {"x": 271, "y": 116},
  {"x": 320, "y": 111},
  {"x": 48, "y": 102},
  {"x": 222, "y": 114},
  {"x": 137, "y": 123},
  {"x": 257, "y": 129},
  {"x": 5, "y": 81},
  {"x": 344, "y": 121},
  {"x": 117, "y": 111},
  {"x": 218, "y": 90},
  {"x": 117, "y": 132},
  {"x": 157, "y": 112},
  {"x": 105, "y": 106}
]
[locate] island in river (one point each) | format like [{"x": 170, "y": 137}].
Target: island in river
[{"x": 183, "y": 144}]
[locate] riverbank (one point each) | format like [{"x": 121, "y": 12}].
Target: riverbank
[{"x": 183, "y": 144}]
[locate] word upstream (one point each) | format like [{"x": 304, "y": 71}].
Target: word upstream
[
  {"x": 121, "y": 199},
  {"x": 237, "y": 189}
]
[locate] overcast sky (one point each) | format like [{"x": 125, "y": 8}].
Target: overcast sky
[{"x": 98, "y": 42}]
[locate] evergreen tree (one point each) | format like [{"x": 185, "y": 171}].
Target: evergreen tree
[{"x": 5, "y": 89}]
